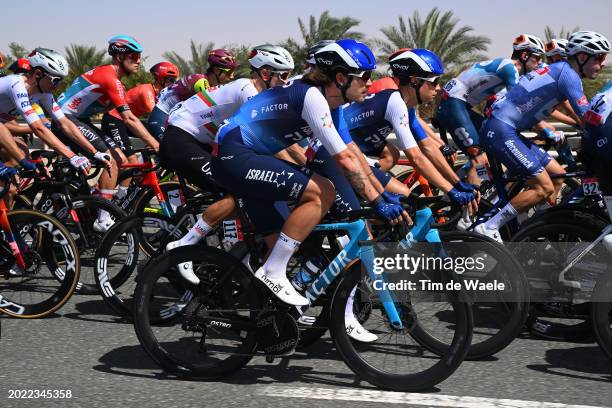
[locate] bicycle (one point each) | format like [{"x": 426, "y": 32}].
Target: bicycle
[{"x": 39, "y": 262}]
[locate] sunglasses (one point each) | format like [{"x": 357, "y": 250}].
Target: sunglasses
[
  {"x": 284, "y": 75},
  {"x": 600, "y": 58},
  {"x": 537, "y": 57},
  {"x": 365, "y": 75},
  {"x": 134, "y": 56},
  {"x": 225, "y": 70},
  {"x": 435, "y": 81},
  {"x": 55, "y": 80}
]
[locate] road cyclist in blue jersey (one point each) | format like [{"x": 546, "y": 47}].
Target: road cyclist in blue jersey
[
  {"x": 462, "y": 94},
  {"x": 535, "y": 96},
  {"x": 243, "y": 156}
]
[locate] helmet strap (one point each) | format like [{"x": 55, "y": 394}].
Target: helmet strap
[
  {"x": 267, "y": 82},
  {"x": 344, "y": 87},
  {"x": 581, "y": 66},
  {"x": 417, "y": 87}
]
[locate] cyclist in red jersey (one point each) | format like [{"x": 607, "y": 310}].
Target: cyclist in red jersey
[{"x": 100, "y": 90}]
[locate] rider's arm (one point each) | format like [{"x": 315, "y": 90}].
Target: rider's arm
[
  {"x": 434, "y": 154},
  {"x": 137, "y": 128},
  {"x": 8, "y": 144},
  {"x": 508, "y": 73},
  {"x": 316, "y": 113},
  {"x": 571, "y": 87},
  {"x": 17, "y": 129}
]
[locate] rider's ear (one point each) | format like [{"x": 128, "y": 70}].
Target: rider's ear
[{"x": 340, "y": 78}]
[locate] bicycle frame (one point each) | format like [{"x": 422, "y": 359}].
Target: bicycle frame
[
  {"x": 358, "y": 248},
  {"x": 150, "y": 179},
  {"x": 6, "y": 227}
]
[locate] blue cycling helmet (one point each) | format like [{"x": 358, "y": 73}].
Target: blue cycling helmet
[
  {"x": 418, "y": 62},
  {"x": 123, "y": 44},
  {"x": 346, "y": 55}
]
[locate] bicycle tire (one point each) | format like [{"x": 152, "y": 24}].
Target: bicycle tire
[
  {"x": 426, "y": 379},
  {"x": 601, "y": 314},
  {"x": 235, "y": 283},
  {"x": 46, "y": 244}
]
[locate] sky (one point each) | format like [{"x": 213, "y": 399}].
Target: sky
[{"x": 160, "y": 27}]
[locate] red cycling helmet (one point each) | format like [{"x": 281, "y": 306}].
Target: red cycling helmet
[
  {"x": 222, "y": 58},
  {"x": 163, "y": 70},
  {"x": 398, "y": 52},
  {"x": 20, "y": 66}
]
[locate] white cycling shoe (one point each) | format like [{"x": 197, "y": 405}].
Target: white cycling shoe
[
  {"x": 103, "y": 225},
  {"x": 491, "y": 233},
  {"x": 185, "y": 268},
  {"x": 357, "y": 332},
  {"x": 282, "y": 288}
]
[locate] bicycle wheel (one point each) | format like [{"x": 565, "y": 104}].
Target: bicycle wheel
[
  {"x": 496, "y": 324},
  {"x": 52, "y": 266},
  {"x": 397, "y": 361},
  {"x": 207, "y": 332},
  {"x": 601, "y": 314},
  {"x": 80, "y": 223},
  {"x": 557, "y": 234}
]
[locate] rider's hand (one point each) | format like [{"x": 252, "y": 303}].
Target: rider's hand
[
  {"x": 27, "y": 165},
  {"x": 463, "y": 198},
  {"x": 6, "y": 172},
  {"x": 393, "y": 213},
  {"x": 104, "y": 158},
  {"x": 469, "y": 188},
  {"x": 556, "y": 136},
  {"x": 80, "y": 163},
  {"x": 391, "y": 198}
]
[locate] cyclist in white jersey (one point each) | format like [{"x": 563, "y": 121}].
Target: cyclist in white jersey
[
  {"x": 193, "y": 125},
  {"x": 18, "y": 93}
]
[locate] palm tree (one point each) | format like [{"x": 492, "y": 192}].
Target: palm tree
[
  {"x": 439, "y": 33},
  {"x": 549, "y": 34},
  {"x": 82, "y": 58},
  {"x": 16, "y": 51},
  {"x": 326, "y": 28},
  {"x": 198, "y": 62},
  {"x": 242, "y": 56}
]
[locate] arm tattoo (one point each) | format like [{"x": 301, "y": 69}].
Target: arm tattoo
[{"x": 357, "y": 181}]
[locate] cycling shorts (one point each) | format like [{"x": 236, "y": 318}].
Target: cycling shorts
[
  {"x": 179, "y": 151},
  {"x": 597, "y": 151},
  {"x": 517, "y": 153},
  {"x": 100, "y": 141},
  {"x": 461, "y": 121},
  {"x": 119, "y": 132}
]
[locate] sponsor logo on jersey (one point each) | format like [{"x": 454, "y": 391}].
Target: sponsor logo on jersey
[
  {"x": 404, "y": 120},
  {"x": 269, "y": 176},
  {"x": 274, "y": 107},
  {"x": 22, "y": 95},
  {"x": 56, "y": 108},
  {"x": 518, "y": 154},
  {"x": 592, "y": 118},
  {"x": 362, "y": 115},
  {"x": 327, "y": 120},
  {"x": 30, "y": 112},
  {"x": 530, "y": 104},
  {"x": 582, "y": 101},
  {"x": 74, "y": 104},
  {"x": 208, "y": 115},
  {"x": 25, "y": 104},
  {"x": 295, "y": 190},
  {"x": 253, "y": 113}
]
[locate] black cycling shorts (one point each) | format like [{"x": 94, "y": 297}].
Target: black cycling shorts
[{"x": 119, "y": 132}]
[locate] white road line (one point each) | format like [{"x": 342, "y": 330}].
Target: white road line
[{"x": 387, "y": 397}]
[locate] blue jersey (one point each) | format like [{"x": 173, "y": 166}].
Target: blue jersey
[
  {"x": 279, "y": 117},
  {"x": 370, "y": 122},
  {"x": 538, "y": 93},
  {"x": 482, "y": 80}
]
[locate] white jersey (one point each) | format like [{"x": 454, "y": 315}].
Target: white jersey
[
  {"x": 203, "y": 113},
  {"x": 15, "y": 101}
]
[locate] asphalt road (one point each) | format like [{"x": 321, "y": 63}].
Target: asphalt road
[{"x": 86, "y": 350}]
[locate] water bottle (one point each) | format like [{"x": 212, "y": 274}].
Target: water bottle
[{"x": 307, "y": 273}]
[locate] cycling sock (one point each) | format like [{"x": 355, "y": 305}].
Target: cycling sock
[
  {"x": 107, "y": 194},
  {"x": 276, "y": 264},
  {"x": 348, "y": 310},
  {"x": 195, "y": 234},
  {"x": 502, "y": 217}
]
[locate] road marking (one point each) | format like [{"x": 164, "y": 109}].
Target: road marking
[{"x": 388, "y": 397}]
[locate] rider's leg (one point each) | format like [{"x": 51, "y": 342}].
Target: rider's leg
[{"x": 388, "y": 157}]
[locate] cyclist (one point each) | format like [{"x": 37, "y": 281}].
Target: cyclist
[
  {"x": 463, "y": 93},
  {"x": 193, "y": 124},
  {"x": 273, "y": 120},
  {"x": 221, "y": 66},
  {"x": 556, "y": 50},
  {"x": 100, "y": 90},
  {"x": 18, "y": 92},
  {"x": 530, "y": 101},
  {"x": 597, "y": 144}
]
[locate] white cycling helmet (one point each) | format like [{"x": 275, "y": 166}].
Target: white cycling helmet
[
  {"x": 273, "y": 56},
  {"x": 528, "y": 42},
  {"x": 50, "y": 61},
  {"x": 589, "y": 42},
  {"x": 556, "y": 46}
]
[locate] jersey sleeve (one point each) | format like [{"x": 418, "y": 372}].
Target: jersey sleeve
[
  {"x": 317, "y": 115},
  {"x": 340, "y": 123},
  {"x": 246, "y": 92},
  {"x": 115, "y": 92},
  {"x": 397, "y": 114},
  {"x": 507, "y": 72},
  {"x": 571, "y": 87},
  {"x": 415, "y": 126},
  {"x": 51, "y": 107},
  {"x": 21, "y": 100}
]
